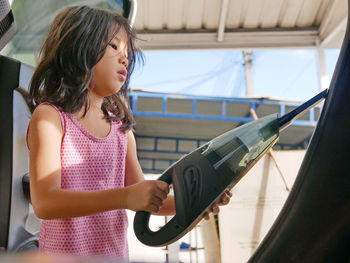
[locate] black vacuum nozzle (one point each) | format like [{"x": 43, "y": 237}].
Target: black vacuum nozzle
[{"x": 286, "y": 120}]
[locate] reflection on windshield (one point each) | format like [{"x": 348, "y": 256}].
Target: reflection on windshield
[{"x": 33, "y": 18}]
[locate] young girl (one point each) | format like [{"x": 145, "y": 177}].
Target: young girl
[{"x": 83, "y": 166}]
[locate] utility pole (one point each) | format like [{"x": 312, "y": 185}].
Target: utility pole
[{"x": 248, "y": 73}]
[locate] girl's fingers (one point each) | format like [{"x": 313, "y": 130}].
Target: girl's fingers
[
  {"x": 225, "y": 198},
  {"x": 157, "y": 201},
  {"x": 163, "y": 186},
  {"x": 153, "y": 208},
  {"x": 160, "y": 194},
  {"x": 215, "y": 209}
]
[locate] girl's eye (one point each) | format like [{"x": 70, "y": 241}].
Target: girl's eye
[{"x": 113, "y": 46}]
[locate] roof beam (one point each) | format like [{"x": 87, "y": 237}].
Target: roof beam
[
  {"x": 223, "y": 14},
  {"x": 241, "y": 40},
  {"x": 334, "y": 32}
]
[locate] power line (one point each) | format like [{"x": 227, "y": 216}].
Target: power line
[{"x": 300, "y": 73}]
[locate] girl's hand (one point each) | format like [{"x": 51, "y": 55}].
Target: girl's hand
[
  {"x": 147, "y": 195},
  {"x": 224, "y": 200}
]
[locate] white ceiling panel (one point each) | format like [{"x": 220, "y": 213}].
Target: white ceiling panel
[
  {"x": 308, "y": 12},
  {"x": 332, "y": 18},
  {"x": 270, "y": 13},
  {"x": 233, "y": 19},
  {"x": 251, "y": 13},
  {"x": 211, "y": 14},
  {"x": 261, "y": 21},
  {"x": 176, "y": 14},
  {"x": 194, "y": 14},
  {"x": 153, "y": 20},
  {"x": 325, "y": 5},
  {"x": 290, "y": 12}
]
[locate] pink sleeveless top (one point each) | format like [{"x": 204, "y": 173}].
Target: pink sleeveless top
[{"x": 89, "y": 164}]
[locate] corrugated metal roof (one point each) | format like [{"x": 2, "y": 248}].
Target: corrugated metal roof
[{"x": 241, "y": 24}]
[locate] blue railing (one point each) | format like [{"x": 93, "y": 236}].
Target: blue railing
[
  {"x": 169, "y": 156},
  {"x": 253, "y": 103}
]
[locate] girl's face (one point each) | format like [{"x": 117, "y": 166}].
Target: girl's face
[{"x": 111, "y": 71}]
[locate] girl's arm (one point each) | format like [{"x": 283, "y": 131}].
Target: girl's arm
[{"x": 50, "y": 201}]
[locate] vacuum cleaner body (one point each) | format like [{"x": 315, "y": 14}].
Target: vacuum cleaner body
[{"x": 201, "y": 177}]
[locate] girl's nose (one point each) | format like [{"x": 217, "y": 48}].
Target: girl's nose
[{"x": 124, "y": 61}]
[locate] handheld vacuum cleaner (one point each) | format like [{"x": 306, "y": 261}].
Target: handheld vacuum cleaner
[{"x": 201, "y": 177}]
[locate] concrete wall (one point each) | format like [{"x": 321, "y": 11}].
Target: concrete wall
[{"x": 256, "y": 202}]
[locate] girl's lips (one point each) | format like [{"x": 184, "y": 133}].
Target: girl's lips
[{"x": 122, "y": 74}]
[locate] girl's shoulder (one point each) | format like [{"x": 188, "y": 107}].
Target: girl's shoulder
[
  {"x": 49, "y": 114},
  {"x": 46, "y": 109},
  {"x": 45, "y": 125}
]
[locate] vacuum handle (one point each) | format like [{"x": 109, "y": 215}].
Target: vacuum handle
[
  {"x": 164, "y": 235},
  {"x": 193, "y": 178}
]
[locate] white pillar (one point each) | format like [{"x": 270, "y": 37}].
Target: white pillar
[
  {"x": 223, "y": 14},
  {"x": 248, "y": 73},
  {"x": 174, "y": 252},
  {"x": 322, "y": 69}
]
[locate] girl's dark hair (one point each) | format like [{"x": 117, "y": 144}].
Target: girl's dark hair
[{"x": 76, "y": 41}]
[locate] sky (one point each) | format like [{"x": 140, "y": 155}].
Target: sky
[{"x": 280, "y": 74}]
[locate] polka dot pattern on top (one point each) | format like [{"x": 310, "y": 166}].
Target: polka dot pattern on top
[{"x": 89, "y": 163}]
